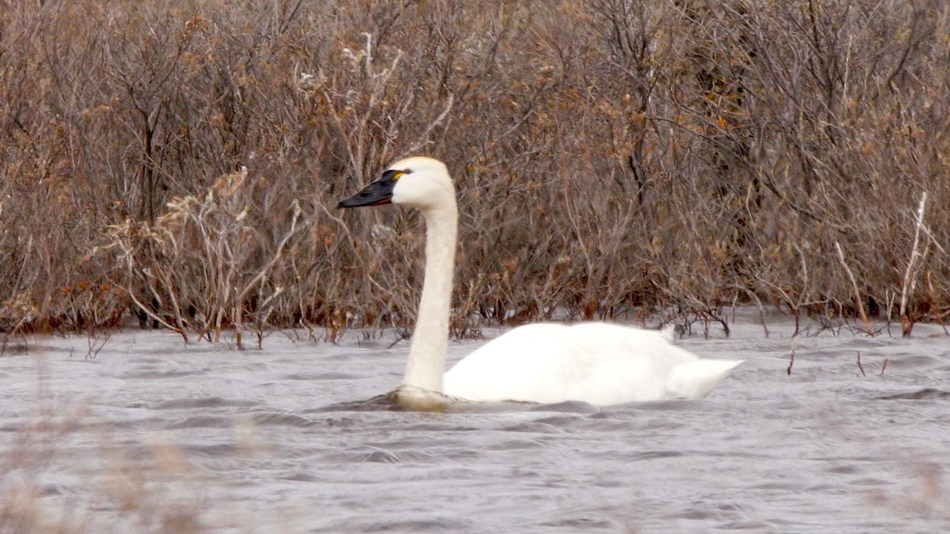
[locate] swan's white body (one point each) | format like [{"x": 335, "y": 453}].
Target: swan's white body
[{"x": 598, "y": 363}]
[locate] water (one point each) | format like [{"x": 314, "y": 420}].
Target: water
[{"x": 151, "y": 434}]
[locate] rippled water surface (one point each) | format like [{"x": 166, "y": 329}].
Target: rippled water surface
[{"x": 151, "y": 433}]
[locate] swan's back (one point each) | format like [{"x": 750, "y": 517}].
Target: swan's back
[{"x": 598, "y": 363}]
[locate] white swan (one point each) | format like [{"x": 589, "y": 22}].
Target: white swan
[{"x": 599, "y": 363}]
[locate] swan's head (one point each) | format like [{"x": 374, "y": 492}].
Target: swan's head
[{"x": 421, "y": 183}]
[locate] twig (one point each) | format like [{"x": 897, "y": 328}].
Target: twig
[
  {"x": 94, "y": 344},
  {"x": 884, "y": 366},
  {"x": 424, "y": 138},
  {"x": 910, "y": 275},
  {"x": 861, "y": 367},
  {"x": 277, "y": 254},
  {"x": 857, "y": 293},
  {"x": 758, "y": 302},
  {"x": 791, "y": 359},
  {"x": 151, "y": 314}
]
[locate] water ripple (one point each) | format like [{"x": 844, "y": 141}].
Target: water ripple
[{"x": 303, "y": 437}]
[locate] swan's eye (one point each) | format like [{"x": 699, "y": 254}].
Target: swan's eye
[{"x": 394, "y": 175}]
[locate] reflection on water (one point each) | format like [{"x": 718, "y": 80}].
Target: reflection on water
[{"x": 302, "y": 437}]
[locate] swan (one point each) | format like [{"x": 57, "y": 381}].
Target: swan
[{"x": 598, "y": 363}]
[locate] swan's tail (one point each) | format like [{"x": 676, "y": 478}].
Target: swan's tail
[{"x": 696, "y": 379}]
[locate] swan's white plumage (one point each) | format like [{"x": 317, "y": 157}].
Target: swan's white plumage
[{"x": 598, "y": 363}]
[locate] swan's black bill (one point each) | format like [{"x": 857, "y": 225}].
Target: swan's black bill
[{"x": 375, "y": 194}]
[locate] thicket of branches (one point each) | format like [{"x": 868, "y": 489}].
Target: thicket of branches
[{"x": 182, "y": 159}]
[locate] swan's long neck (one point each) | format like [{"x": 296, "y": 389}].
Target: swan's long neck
[{"x": 426, "y": 363}]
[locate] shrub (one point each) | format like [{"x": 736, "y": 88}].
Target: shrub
[{"x": 612, "y": 156}]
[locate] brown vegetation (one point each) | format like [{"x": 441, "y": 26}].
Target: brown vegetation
[{"x": 611, "y": 155}]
